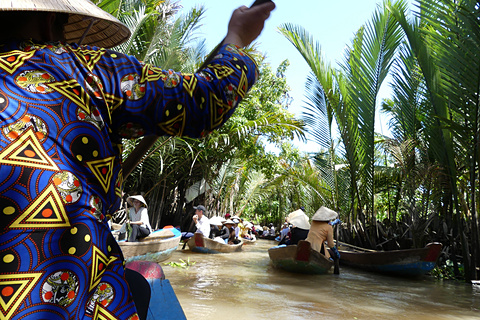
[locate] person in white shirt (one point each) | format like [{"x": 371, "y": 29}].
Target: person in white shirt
[
  {"x": 201, "y": 221},
  {"x": 237, "y": 228},
  {"x": 138, "y": 218},
  {"x": 272, "y": 229}
]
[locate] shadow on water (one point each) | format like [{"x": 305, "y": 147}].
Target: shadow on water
[{"x": 245, "y": 285}]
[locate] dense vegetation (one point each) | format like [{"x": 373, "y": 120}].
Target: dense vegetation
[{"x": 419, "y": 185}]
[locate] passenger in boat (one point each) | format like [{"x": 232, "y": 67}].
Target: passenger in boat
[
  {"x": 265, "y": 232},
  {"x": 272, "y": 229},
  {"x": 201, "y": 221},
  {"x": 138, "y": 220},
  {"x": 218, "y": 231},
  {"x": 237, "y": 227},
  {"x": 230, "y": 224},
  {"x": 297, "y": 234},
  {"x": 321, "y": 231},
  {"x": 285, "y": 234},
  {"x": 247, "y": 232}
]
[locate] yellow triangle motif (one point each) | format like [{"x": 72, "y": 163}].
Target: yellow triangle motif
[
  {"x": 218, "y": 109},
  {"x": 27, "y": 151},
  {"x": 243, "y": 85},
  {"x": 45, "y": 211},
  {"x": 103, "y": 170},
  {"x": 89, "y": 58},
  {"x": 73, "y": 91},
  {"x": 113, "y": 101},
  {"x": 99, "y": 264},
  {"x": 13, "y": 290},
  {"x": 174, "y": 126},
  {"x": 190, "y": 83},
  {"x": 118, "y": 186},
  {"x": 221, "y": 71},
  {"x": 100, "y": 313},
  {"x": 12, "y": 60},
  {"x": 151, "y": 73}
]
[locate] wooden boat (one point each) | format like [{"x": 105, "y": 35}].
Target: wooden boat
[
  {"x": 163, "y": 300},
  {"x": 157, "y": 246},
  {"x": 248, "y": 241},
  {"x": 409, "y": 262},
  {"x": 267, "y": 237},
  {"x": 198, "y": 243},
  {"x": 300, "y": 258}
]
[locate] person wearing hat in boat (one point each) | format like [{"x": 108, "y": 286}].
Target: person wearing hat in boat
[
  {"x": 218, "y": 231},
  {"x": 232, "y": 239},
  {"x": 321, "y": 231},
  {"x": 271, "y": 229},
  {"x": 265, "y": 232},
  {"x": 66, "y": 102},
  {"x": 201, "y": 221},
  {"x": 138, "y": 218}
]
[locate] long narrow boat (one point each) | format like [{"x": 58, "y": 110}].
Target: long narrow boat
[
  {"x": 157, "y": 246},
  {"x": 409, "y": 262},
  {"x": 198, "y": 243},
  {"x": 300, "y": 258}
]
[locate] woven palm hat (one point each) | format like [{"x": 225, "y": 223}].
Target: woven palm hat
[
  {"x": 299, "y": 219},
  {"x": 139, "y": 198},
  {"x": 87, "y": 23},
  {"x": 324, "y": 214},
  {"x": 229, "y": 222}
]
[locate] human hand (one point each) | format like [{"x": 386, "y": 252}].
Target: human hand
[
  {"x": 246, "y": 24},
  {"x": 195, "y": 218}
]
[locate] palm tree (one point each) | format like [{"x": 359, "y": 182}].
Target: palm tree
[
  {"x": 444, "y": 40},
  {"x": 349, "y": 96}
]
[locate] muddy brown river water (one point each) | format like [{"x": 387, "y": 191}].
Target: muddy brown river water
[{"x": 244, "y": 285}]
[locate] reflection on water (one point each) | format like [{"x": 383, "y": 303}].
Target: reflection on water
[{"x": 244, "y": 285}]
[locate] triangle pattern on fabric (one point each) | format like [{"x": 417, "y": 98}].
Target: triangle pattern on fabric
[
  {"x": 221, "y": 71},
  {"x": 99, "y": 264},
  {"x": 103, "y": 170},
  {"x": 152, "y": 73},
  {"x": 13, "y": 290},
  {"x": 174, "y": 126},
  {"x": 190, "y": 83},
  {"x": 73, "y": 91},
  {"x": 46, "y": 211},
  {"x": 100, "y": 313},
  {"x": 218, "y": 109},
  {"x": 243, "y": 85},
  {"x": 89, "y": 57},
  {"x": 12, "y": 60},
  {"x": 27, "y": 151}
]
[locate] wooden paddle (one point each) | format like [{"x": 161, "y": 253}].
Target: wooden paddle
[
  {"x": 148, "y": 141},
  {"x": 336, "y": 260}
]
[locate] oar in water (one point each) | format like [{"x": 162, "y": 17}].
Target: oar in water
[{"x": 335, "y": 254}]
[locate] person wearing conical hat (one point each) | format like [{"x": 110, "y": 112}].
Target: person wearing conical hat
[
  {"x": 66, "y": 102},
  {"x": 320, "y": 231},
  {"x": 138, "y": 218}
]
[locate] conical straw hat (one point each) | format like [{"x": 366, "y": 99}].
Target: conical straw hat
[
  {"x": 216, "y": 220},
  {"x": 299, "y": 219},
  {"x": 106, "y": 31},
  {"x": 324, "y": 214},
  {"x": 139, "y": 198}
]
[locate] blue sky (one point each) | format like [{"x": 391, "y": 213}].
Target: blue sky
[{"x": 331, "y": 23}]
